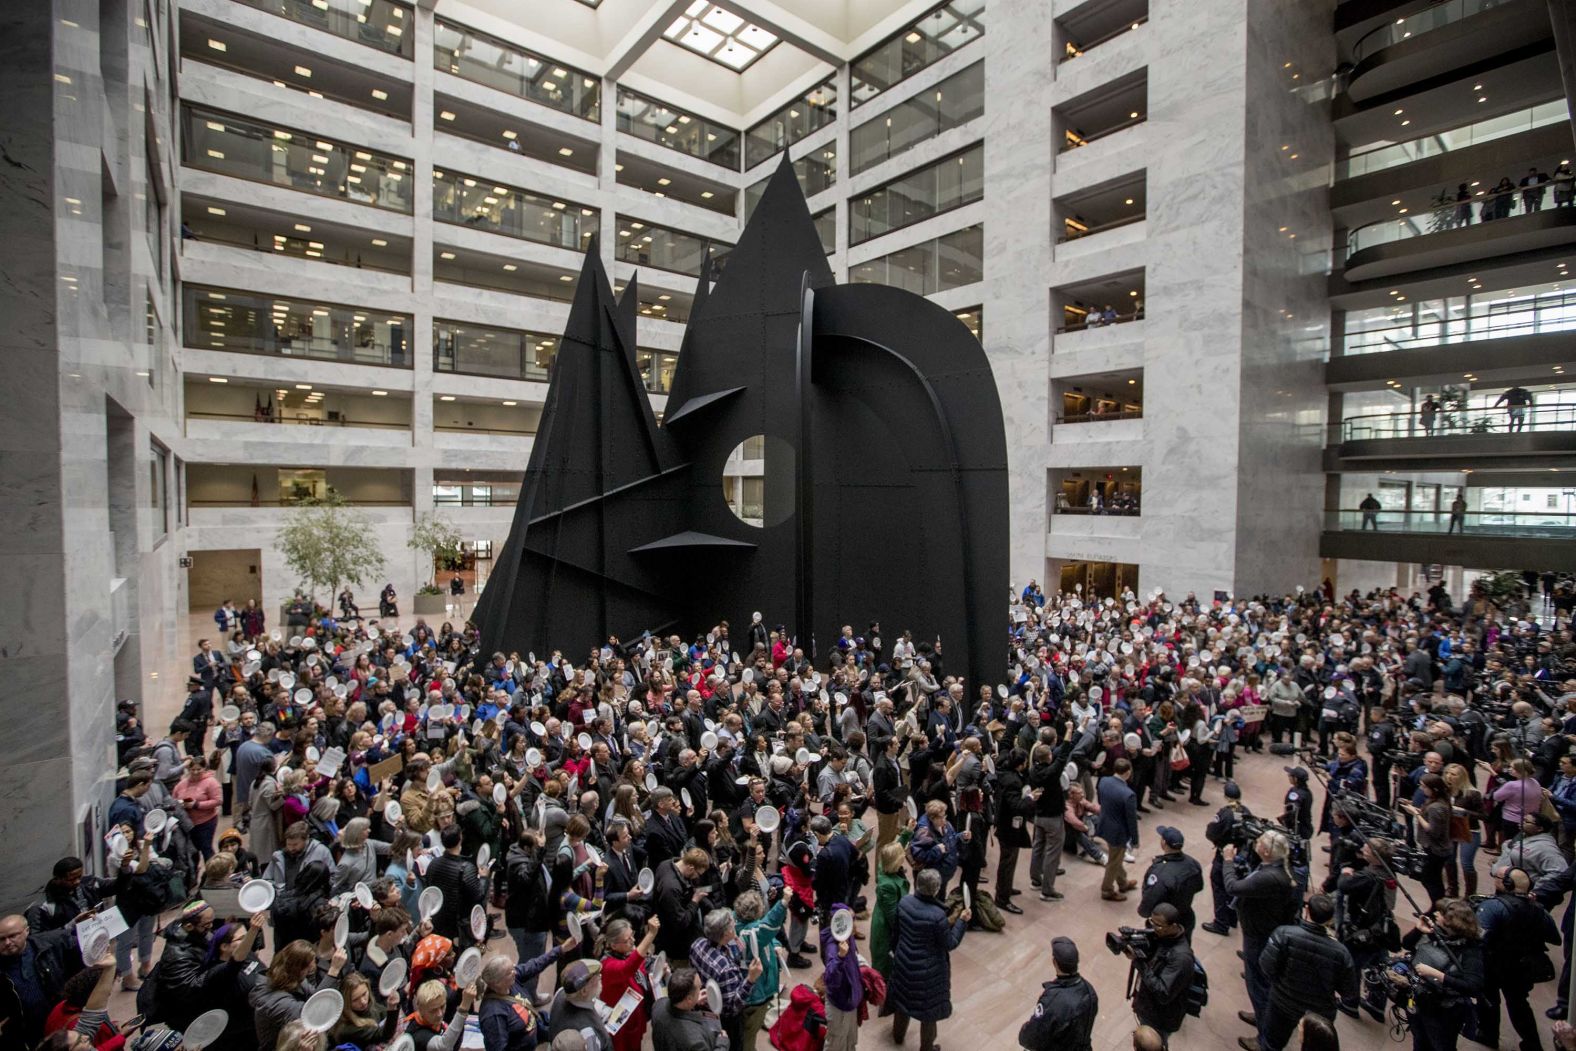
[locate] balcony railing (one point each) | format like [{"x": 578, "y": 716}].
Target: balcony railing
[
  {"x": 476, "y": 499},
  {"x": 648, "y": 119},
  {"x": 485, "y": 60},
  {"x": 349, "y": 502},
  {"x": 1476, "y": 422},
  {"x": 1073, "y": 230},
  {"x": 1478, "y": 209},
  {"x": 461, "y": 428},
  {"x": 302, "y": 247},
  {"x": 485, "y": 205},
  {"x": 1072, "y": 140},
  {"x": 1130, "y": 510},
  {"x": 375, "y": 23},
  {"x": 1554, "y": 312},
  {"x": 1079, "y": 50},
  {"x": 1094, "y": 321},
  {"x": 296, "y": 421},
  {"x": 1471, "y": 523},
  {"x": 1381, "y": 157},
  {"x": 1425, "y": 21},
  {"x": 1101, "y": 417}
]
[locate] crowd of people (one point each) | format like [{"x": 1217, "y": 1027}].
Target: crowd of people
[{"x": 355, "y": 836}]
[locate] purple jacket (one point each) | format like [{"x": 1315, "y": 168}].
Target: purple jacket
[{"x": 844, "y": 989}]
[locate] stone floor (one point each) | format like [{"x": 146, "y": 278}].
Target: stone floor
[{"x": 996, "y": 978}]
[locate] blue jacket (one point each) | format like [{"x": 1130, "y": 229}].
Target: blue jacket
[
  {"x": 932, "y": 851},
  {"x": 1118, "y": 820},
  {"x": 921, "y": 981}
]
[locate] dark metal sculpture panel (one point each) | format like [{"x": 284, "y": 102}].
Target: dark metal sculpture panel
[{"x": 885, "y": 479}]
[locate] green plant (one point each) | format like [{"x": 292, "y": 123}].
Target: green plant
[
  {"x": 1502, "y": 588},
  {"x": 440, "y": 539},
  {"x": 327, "y": 544},
  {"x": 429, "y": 589}
]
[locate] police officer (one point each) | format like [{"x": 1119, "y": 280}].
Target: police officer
[
  {"x": 1064, "y": 1017},
  {"x": 1515, "y": 931},
  {"x": 1381, "y": 739},
  {"x": 1173, "y": 878},
  {"x": 1220, "y": 832},
  {"x": 1297, "y": 815},
  {"x": 1266, "y": 898}
]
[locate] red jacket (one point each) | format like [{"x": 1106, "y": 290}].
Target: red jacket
[
  {"x": 617, "y": 976},
  {"x": 802, "y": 1026}
]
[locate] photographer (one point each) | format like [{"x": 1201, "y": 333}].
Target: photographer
[
  {"x": 1515, "y": 930},
  {"x": 1445, "y": 972},
  {"x": 1266, "y": 898},
  {"x": 1064, "y": 1017},
  {"x": 1162, "y": 972},
  {"x": 1173, "y": 878},
  {"x": 1307, "y": 969},
  {"x": 1222, "y": 831},
  {"x": 1365, "y": 907}
]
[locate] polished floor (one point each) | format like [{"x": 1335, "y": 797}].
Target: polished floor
[{"x": 996, "y": 977}]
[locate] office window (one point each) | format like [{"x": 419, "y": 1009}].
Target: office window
[
  {"x": 816, "y": 172},
  {"x": 248, "y": 323},
  {"x": 645, "y": 244},
  {"x": 379, "y": 24},
  {"x": 826, "y": 226},
  {"x": 657, "y": 122},
  {"x": 952, "y": 103},
  {"x": 158, "y": 487},
  {"x": 788, "y": 125},
  {"x": 506, "y": 67},
  {"x": 949, "y": 261},
  {"x": 948, "y": 183},
  {"x": 485, "y": 350},
  {"x": 485, "y": 205},
  {"x": 927, "y": 41}
]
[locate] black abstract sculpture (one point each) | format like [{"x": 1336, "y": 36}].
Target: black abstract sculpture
[{"x": 885, "y": 481}]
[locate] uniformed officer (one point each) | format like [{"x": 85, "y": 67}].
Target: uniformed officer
[
  {"x": 1173, "y": 877},
  {"x": 1221, "y": 832},
  {"x": 1298, "y": 813},
  {"x": 1381, "y": 739},
  {"x": 1064, "y": 1017}
]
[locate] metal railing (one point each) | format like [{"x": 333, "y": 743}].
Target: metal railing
[
  {"x": 462, "y": 428},
  {"x": 1092, "y": 321},
  {"x": 485, "y": 205},
  {"x": 1132, "y": 511},
  {"x": 1470, "y": 523},
  {"x": 1553, "y": 312},
  {"x": 1479, "y": 209},
  {"x": 1479, "y": 421},
  {"x": 1101, "y": 417},
  {"x": 295, "y": 247},
  {"x": 1079, "y": 50},
  {"x": 297, "y": 421},
  {"x": 1074, "y": 232},
  {"x": 475, "y": 499},
  {"x": 1425, "y": 21},
  {"x": 505, "y": 67},
  {"x": 1381, "y": 157},
  {"x": 293, "y": 503},
  {"x": 1073, "y": 140},
  {"x": 375, "y": 23}
]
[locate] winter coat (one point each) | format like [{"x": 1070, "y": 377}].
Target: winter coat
[
  {"x": 273, "y": 1009},
  {"x": 1014, "y": 810},
  {"x": 1063, "y": 1018},
  {"x": 930, "y": 849},
  {"x": 921, "y": 979},
  {"x": 763, "y": 933},
  {"x": 890, "y": 888},
  {"x": 1307, "y": 969}
]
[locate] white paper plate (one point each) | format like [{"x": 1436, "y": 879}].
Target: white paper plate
[
  {"x": 500, "y": 792},
  {"x": 364, "y": 895},
  {"x": 767, "y": 818},
  {"x": 483, "y": 856},
  {"x": 469, "y": 967},
  {"x": 533, "y": 757},
  {"x": 572, "y": 921},
  {"x": 651, "y": 780},
  {"x": 321, "y": 1012},
  {"x": 1001, "y": 691},
  {"x": 155, "y": 821},
  {"x": 313, "y": 754},
  {"x": 302, "y": 696},
  {"x": 206, "y": 1028},
  {"x": 229, "y": 714},
  {"x": 708, "y": 741},
  {"x": 538, "y": 729},
  {"x": 431, "y": 901},
  {"x": 287, "y": 680},
  {"x": 802, "y": 756},
  {"x": 434, "y": 779},
  {"x": 392, "y": 812},
  {"x": 478, "y": 922},
  {"x": 645, "y": 881},
  {"x": 714, "y": 997},
  {"x": 842, "y": 924},
  {"x": 342, "y": 930},
  {"x": 684, "y": 797},
  {"x": 95, "y": 945},
  {"x": 393, "y": 976},
  {"x": 255, "y": 895},
  {"x": 748, "y": 675},
  {"x": 913, "y": 810},
  {"x": 584, "y": 741}
]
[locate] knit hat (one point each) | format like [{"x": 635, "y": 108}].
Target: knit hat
[{"x": 157, "y": 1038}]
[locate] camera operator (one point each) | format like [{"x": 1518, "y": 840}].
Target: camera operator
[
  {"x": 1307, "y": 969},
  {"x": 1266, "y": 899},
  {"x": 1163, "y": 972},
  {"x": 1515, "y": 930},
  {"x": 1297, "y": 815},
  {"x": 1445, "y": 972},
  {"x": 1173, "y": 878},
  {"x": 1365, "y": 923},
  {"x": 1383, "y": 737},
  {"x": 1065, "y": 1014},
  {"x": 1221, "y": 831}
]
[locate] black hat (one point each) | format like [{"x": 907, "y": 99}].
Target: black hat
[{"x": 1299, "y": 772}]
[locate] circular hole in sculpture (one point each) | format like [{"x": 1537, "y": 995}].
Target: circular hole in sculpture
[{"x": 758, "y": 481}]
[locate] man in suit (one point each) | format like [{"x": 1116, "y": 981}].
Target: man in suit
[
  {"x": 665, "y": 832},
  {"x": 1118, "y": 827},
  {"x": 210, "y": 667},
  {"x": 620, "y": 888},
  {"x": 890, "y": 793}
]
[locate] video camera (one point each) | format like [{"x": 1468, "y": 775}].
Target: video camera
[
  {"x": 1403, "y": 759},
  {"x": 1246, "y": 832},
  {"x": 1137, "y": 942}
]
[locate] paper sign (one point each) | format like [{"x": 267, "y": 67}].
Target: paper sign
[
  {"x": 96, "y": 932},
  {"x": 224, "y": 900},
  {"x": 330, "y": 761},
  {"x": 624, "y": 1010},
  {"x": 1251, "y": 713},
  {"x": 378, "y": 772}
]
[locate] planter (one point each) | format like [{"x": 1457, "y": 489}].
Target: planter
[{"x": 431, "y": 605}]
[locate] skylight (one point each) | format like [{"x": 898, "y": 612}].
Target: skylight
[{"x": 721, "y": 36}]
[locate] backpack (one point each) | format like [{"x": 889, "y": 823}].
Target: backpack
[
  {"x": 1198, "y": 991},
  {"x": 148, "y": 996},
  {"x": 985, "y": 912}
]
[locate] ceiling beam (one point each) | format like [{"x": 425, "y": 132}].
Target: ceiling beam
[
  {"x": 644, "y": 33},
  {"x": 802, "y": 34}
]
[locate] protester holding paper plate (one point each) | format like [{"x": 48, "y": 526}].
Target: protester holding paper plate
[
  {"x": 509, "y": 1019},
  {"x": 290, "y": 983}
]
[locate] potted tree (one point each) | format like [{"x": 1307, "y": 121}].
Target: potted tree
[
  {"x": 443, "y": 544},
  {"x": 328, "y": 545}
]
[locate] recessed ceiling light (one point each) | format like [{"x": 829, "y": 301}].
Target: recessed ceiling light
[
  {"x": 706, "y": 195},
  {"x": 1399, "y": 112},
  {"x": 565, "y": 277},
  {"x": 1128, "y": 201},
  {"x": 664, "y": 181},
  {"x": 303, "y": 386},
  {"x": 380, "y": 242},
  {"x": 380, "y": 394},
  {"x": 1133, "y": 115},
  {"x": 302, "y": 71},
  {"x": 511, "y": 404},
  {"x": 445, "y": 255},
  {"x": 217, "y": 379},
  {"x": 446, "y": 115},
  {"x": 303, "y": 227},
  {"x": 218, "y": 45},
  {"x": 215, "y": 211},
  {"x": 510, "y": 267},
  {"x": 511, "y": 135},
  {"x": 446, "y": 397},
  {"x": 380, "y": 94},
  {"x": 565, "y": 151}
]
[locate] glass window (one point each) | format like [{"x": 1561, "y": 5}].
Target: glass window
[
  {"x": 974, "y": 318},
  {"x": 948, "y": 183},
  {"x": 816, "y": 172},
  {"x": 954, "y": 102},
  {"x": 644, "y": 244},
  {"x": 950, "y": 261},
  {"x": 483, "y": 350},
  {"x": 381, "y": 24},
  {"x": 158, "y": 487},
  {"x": 826, "y": 226},
  {"x": 246, "y": 149},
  {"x": 932, "y": 38},
  {"x": 250, "y": 323},
  {"x": 656, "y": 122},
  {"x": 153, "y": 211},
  {"x": 1525, "y": 310},
  {"x": 458, "y": 198},
  {"x": 656, "y": 369},
  {"x": 790, "y": 124},
  {"x": 486, "y": 60}
]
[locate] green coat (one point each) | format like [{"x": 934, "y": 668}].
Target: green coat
[
  {"x": 763, "y": 932},
  {"x": 890, "y": 888}
]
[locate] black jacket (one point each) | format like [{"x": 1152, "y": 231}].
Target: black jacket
[
  {"x": 1063, "y": 1018},
  {"x": 1048, "y": 778},
  {"x": 890, "y": 793},
  {"x": 1014, "y": 811},
  {"x": 1163, "y": 981},
  {"x": 671, "y": 897},
  {"x": 183, "y": 976},
  {"x": 1307, "y": 969},
  {"x": 1174, "y": 877},
  {"x": 665, "y": 838},
  {"x": 1266, "y": 898},
  {"x": 56, "y": 958},
  {"x": 1460, "y": 959},
  {"x": 462, "y": 890},
  {"x": 527, "y": 906}
]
